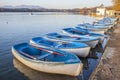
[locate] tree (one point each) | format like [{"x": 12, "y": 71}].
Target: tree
[{"x": 116, "y": 5}]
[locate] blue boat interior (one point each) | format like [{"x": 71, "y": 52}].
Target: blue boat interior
[
  {"x": 58, "y": 44},
  {"x": 69, "y": 38},
  {"x": 89, "y": 26},
  {"x": 105, "y": 20},
  {"x": 88, "y": 32},
  {"x": 56, "y": 35},
  {"x": 99, "y": 25},
  {"x": 80, "y": 31},
  {"x": 74, "y": 31},
  {"x": 44, "y": 54},
  {"x": 59, "y": 36},
  {"x": 96, "y": 25},
  {"x": 83, "y": 29}
]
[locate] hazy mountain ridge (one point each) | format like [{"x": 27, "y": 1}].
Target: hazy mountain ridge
[{"x": 23, "y": 6}]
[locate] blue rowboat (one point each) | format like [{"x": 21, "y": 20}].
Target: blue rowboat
[
  {"x": 101, "y": 23},
  {"x": 94, "y": 30},
  {"x": 110, "y": 22},
  {"x": 78, "y": 48},
  {"x": 87, "y": 32},
  {"x": 92, "y": 42},
  {"x": 48, "y": 60},
  {"x": 80, "y": 32},
  {"x": 107, "y": 21},
  {"x": 95, "y": 26}
]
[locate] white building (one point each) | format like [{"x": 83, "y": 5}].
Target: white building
[
  {"x": 101, "y": 10},
  {"x": 110, "y": 13}
]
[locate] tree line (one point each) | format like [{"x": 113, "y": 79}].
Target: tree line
[{"x": 116, "y": 5}]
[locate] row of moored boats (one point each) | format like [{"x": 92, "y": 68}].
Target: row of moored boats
[{"x": 58, "y": 52}]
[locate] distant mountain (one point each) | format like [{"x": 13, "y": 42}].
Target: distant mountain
[{"x": 23, "y": 6}]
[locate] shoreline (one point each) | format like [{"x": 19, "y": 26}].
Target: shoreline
[{"x": 108, "y": 67}]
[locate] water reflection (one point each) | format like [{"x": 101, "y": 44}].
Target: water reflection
[
  {"x": 90, "y": 63},
  {"x": 93, "y": 55},
  {"x": 36, "y": 75},
  {"x": 85, "y": 63}
]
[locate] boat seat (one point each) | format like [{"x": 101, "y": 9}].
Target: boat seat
[
  {"x": 43, "y": 56},
  {"x": 28, "y": 55},
  {"x": 57, "y": 46}
]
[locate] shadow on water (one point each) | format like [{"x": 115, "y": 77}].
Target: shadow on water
[
  {"x": 89, "y": 65},
  {"x": 91, "y": 62}
]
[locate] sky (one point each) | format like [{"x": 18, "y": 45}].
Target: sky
[{"x": 59, "y": 4}]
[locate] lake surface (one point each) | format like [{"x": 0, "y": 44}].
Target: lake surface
[{"x": 16, "y": 28}]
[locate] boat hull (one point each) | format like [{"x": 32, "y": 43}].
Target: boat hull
[
  {"x": 98, "y": 31},
  {"x": 50, "y": 67},
  {"x": 101, "y": 39},
  {"x": 81, "y": 52},
  {"x": 92, "y": 44}
]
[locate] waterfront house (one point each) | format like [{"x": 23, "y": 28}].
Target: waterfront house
[{"x": 101, "y": 10}]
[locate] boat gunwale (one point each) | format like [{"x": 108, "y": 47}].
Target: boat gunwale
[{"x": 61, "y": 47}]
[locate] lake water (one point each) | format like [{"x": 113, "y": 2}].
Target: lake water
[{"x": 21, "y": 27}]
